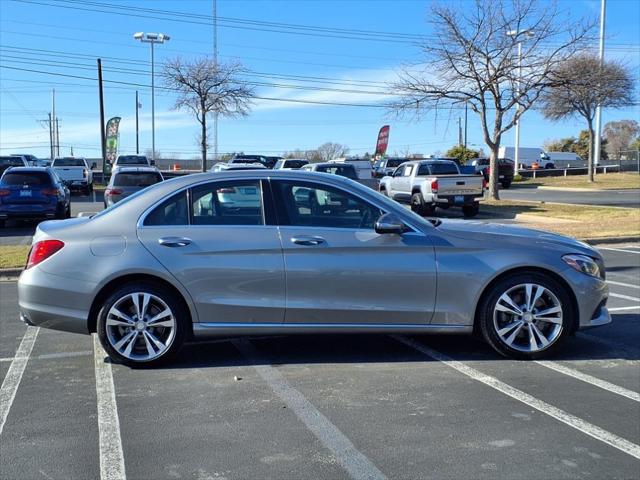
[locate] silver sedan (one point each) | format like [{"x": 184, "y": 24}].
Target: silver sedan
[{"x": 301, "y": 253}]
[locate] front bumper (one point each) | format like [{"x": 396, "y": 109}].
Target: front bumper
[{"x": 591, "y": 296}]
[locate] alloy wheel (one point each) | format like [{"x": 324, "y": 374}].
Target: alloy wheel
[
  {"x": 140, "y": 326},
  {"x": 528, "y": 317}
]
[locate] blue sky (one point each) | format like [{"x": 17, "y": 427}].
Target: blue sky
[{"x": 76, "y": 37}]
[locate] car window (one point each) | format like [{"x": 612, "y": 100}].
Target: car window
[
  {"x": 170, "y": 212},
  {"x": 12, "y": 161},
  {"x": 278, "y": 164},
  {"x": 348, "y": 171},
  {"x": 132, "y": 160},
  {"x": 26, "y": 178},
  {"x": 308, "y": 204},
  {"x": 408, "y": 170},
  {"x": 393, "y": 163},
  {"x": 294, "y": 163},
  {"x": 443, "y": 169},
  {"x": 236, "y": 202},
  {"x": 136, "y": 179},
  {"x": 68, "y": 162}
]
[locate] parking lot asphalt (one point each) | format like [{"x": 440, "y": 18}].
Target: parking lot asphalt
[
  {"x": 612, "y": 198},
  {"x": 310, "y": 406}
]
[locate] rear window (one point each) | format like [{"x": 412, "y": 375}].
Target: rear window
[
  {"x": 438, "y": 169},
  {"x": 343, "y": 170},
  {"x": 132, "y": 160},
  {"x": 136, "y": 179},
  {"x": 295, "y": 163},
  {"x": 26, "y": 178},
  {"x": 395, "y": 162},
  {"x": 245, "y": 160},
  {"x": 68, "y": 162}
]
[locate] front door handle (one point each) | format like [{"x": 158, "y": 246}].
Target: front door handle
[
  {"x": 308, "y": 240},
  {"x": 174, "y": 241}
]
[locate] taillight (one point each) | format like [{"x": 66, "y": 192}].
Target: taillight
[
  {"x": 84, "y": 173},
  {"x": 227, "y": 190},
  {"x": 42, "y": 250},
  {"x": 434, "y": 186},
  {"x": 112, "y": 191},
  {"x": 50, "y": 192},
  {"x": 4, "y": 193}
]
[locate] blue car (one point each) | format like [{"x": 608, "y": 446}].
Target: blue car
[{"x": 28, "y": 193}]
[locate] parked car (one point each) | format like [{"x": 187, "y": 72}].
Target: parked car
[
  {"x": 506, "y": 170},
  {"x": 28, "y": 193},
  {"x": 527, "y": 156},
  {"x": 290, "y": 164},
  {"x": 224, "y": 167},
  {"x": 386, "y": 166},
  {"x": 8, "y": 161},
  {"x": 343, "y": 170},
  {"x": 126, "y": 181},
  {"x": 364, "y": 168},
  {"x": 157, "y": 271},
  {"x": 132, "y": 160},
  {"x": 268, "y": 162},
  {"x": 427, "y": 184},
  {"x": 32, "y": 160},
  {"x": 75, "y": 172}
]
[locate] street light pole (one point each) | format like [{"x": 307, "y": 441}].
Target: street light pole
[
  {"x": 152, "y": 38},
  {"x": 596, "y": 142},
  {"x": 516, "y": 34}
]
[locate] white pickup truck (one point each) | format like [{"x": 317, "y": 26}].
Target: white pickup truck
[
  {"x": 427, "y": 184},
  {"x": 74, "y": 172}
]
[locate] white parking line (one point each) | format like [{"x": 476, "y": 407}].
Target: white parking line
[
  {"x": 357, "y": 465},
  {"x": 635, "y": 396},
  {"x": 624, "y": 297},
  {"x": 619, "y": 250},
  {"x": 111, "y": 456},
  {"x": 620, "y": 284},
  {"x": 14, "y": 374},
  {"x": 48, "y": 356},
  {"x": 575, "y": 422},
  {"x": 622, "y": 309}
]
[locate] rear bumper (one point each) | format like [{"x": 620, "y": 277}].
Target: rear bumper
[
  {"x": 28, "y": 211},
  {"x": 44, "y": 300},
  {"x": 454, "y": 200}
]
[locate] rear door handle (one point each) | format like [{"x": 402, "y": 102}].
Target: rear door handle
[
  {"x": 308, "y": 240},
  {"x": 174, "y": 241}
]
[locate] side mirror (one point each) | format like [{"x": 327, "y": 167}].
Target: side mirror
[
  {"x": 390, "y": 223},
  {"x": 94, "y": 165}
]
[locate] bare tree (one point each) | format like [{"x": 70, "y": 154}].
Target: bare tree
[
  {"x": 205, "y": 87},
  {"x": 619, "y": 136},
  {"x": 582, "y": 83},
  {"x": 329, "y": 151},
  {"x": 473, "y": 59}
]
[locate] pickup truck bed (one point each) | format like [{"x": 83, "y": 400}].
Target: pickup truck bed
[{"x": 74, "y": 172}]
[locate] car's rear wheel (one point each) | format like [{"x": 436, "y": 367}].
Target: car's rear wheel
[
  {"x": 419, "y": 206},
  {"x": 526, "y": 316},
  {"x": 383, "y": 191},
  {"x": 505, "y": 185},
  {"x": 67, "y": 213},
  {"x": 142, "y": 324},
  {"x": 471, "y": 210}
]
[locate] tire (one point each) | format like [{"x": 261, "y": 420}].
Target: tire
[
  {"x": 418, "y": 205},
  {"x": 86, "y": 191},
  {"x": 549, "y": 166},
  {"x": 149, "y": 346},
  {"x": 496, "y": 316},
  {"x": 505, "y": 185},
  {"x": 67, "y": 213},
  {"x": 383, "y": 191},
  {"x": 90, "y": 188},
  {"x": 471, "y": 210}
]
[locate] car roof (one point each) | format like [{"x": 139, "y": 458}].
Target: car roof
[
  {"x": 133, "y": 169},
  {"x": 333, "y": 164},
  {"x": 28, "y": 169},
  {"x": 69, "y": 158}
]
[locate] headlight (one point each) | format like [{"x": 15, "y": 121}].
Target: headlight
[{"x": 583, "y": 264}]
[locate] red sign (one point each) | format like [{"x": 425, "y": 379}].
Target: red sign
[{"x": 383, "y": 140}]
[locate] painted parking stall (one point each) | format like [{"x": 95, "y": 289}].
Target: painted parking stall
[{"x": 326, "y": 407}]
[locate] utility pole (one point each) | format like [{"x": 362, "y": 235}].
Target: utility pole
[
  {"x": 53, "y": 119},
  {"x": 596, "y": 142},
  {"x": 103, "y": 139},
  {"x": 466, "y": 111},
  {"x": 459, "y": 131},
  {"x": 215, "y": 61},
  {"x": 57, "y": 137},
  {"x": 51, "y": 137},
  {"x": 137, "y": 128}
]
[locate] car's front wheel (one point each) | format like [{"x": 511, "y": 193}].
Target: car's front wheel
[
  {"x": 526, "y": 316},
  {"x": 142, "y": 324}
]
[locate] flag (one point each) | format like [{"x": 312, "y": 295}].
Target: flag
[
  {"x": 383, "y": 141},
  {"x": 112, "y": 139}
]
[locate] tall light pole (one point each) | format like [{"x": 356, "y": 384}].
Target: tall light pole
[
  {"x": 517, "y": 34},
  {"x": 152, "y": 38},
  {"x": 596, "y": 141}
]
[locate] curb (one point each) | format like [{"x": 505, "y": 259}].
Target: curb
[
  {"x": 605, "y": 240},
  {"x": 574, "y": 189},
  {"x": 10, "y": 273}
]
